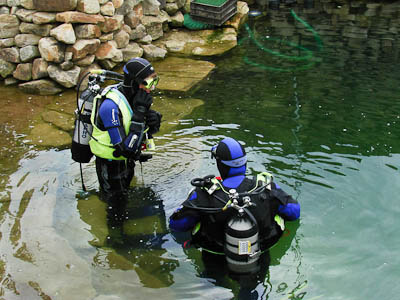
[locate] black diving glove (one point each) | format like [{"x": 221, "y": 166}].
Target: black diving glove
[
  {"x": 153, "y": 120},
  {"x": 141, "y": 104}
]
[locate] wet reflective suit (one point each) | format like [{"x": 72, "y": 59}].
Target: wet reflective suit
[{"x": 119, "y": 118}]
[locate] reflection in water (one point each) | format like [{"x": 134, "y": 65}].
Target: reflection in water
[{"x": 138, "y": 238}]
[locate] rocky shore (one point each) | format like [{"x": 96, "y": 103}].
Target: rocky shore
[{"x": 46, "y": 45}]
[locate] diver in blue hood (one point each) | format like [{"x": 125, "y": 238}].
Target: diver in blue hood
[{"x": 233, "y": 215}]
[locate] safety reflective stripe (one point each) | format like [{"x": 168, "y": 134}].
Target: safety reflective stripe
[
  {"x": 280, "y": 221},
  {"x": 100, "y": 144}
]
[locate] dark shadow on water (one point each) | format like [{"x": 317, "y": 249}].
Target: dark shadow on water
[{"x": 140, "y": 236}]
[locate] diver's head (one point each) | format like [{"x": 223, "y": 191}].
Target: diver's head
[
  {"x": 231, "y": 157},
  {"x": 137, "y": 72}
]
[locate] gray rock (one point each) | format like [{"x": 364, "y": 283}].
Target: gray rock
[
  {"x": 67, "y": 79},
  {"x": 127, "y": 7},
  {"x": 153, "y": 26},
  {"x": 152, "y": 52},
  {"x": 67, "y": 65},
  {"x": 171, "y": 8},
  {"x": 88, "y": 6},
  {"x": 7, "y": 42},
  {"x": 107, "y": 9},
  {"x": 39, "y": 68},
  {"x": 39, "y": 30},
  {"x": 23, "y": 72},
  {"x": 28, "y": 4},
  {"x": 147, "y": 39},
  {"x": 10, "y": 81},
  {"x": 40, "y": 87},
  {"x": 25, "y": 15},
  {"x": 51, "y": 5},
  {"x": 82, "y": 48},
  {"x": 87, "y": 61},
  {"x": 87, "y": 31},
  {"x": 138, "y": 33},
  {"x": 10, "y": 54},
  {"x": 151, "y": 8},
  {"x": 131, "y": 51},
  {"x": 107, "y": 37},
  {"x": 122, "y": 39},
  {"x": 177, "y": 19},
  {"x": 28, "y": 53},
  {"x": 6, "y": 68},
  {"x": 108, "y": 64},
  {"x": 43, "y": 18},
  {"x": 51, "y": 50},
  {"x": 12, "y": 3},
  {"x": 9, "y": 26},
  {"x": 64, "y": 33},
  {"x": 26, "y": 39},
  {"x": 109, "y": 51},
  {"x": 4, "y": 10}
]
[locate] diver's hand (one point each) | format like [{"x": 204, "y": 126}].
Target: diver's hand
[{"x": 153, "y": 120}]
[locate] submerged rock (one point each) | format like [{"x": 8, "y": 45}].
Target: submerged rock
[
  {"x": 181, "y": 74},
  {"x": 49, "y": 136}
]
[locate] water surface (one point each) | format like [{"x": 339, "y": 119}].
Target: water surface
[{"x": 327, "y": 127}]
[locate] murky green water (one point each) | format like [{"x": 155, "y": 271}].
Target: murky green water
[{"x": 326, "y": 126}]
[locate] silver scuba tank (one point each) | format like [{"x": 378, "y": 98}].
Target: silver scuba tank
[
  {"x": 80, "y": 148},
  {"x": 242, "y": 248}
]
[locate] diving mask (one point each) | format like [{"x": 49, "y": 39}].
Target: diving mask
[{"x": 151, "y": 83}]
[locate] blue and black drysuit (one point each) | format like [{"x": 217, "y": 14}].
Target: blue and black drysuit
[{"x": 269, "y": 203}]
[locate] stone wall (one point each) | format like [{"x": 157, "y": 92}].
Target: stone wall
[{"x": 45, "y": 45}]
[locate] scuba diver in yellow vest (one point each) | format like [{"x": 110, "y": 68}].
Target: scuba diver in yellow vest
[
  {"x": 121, "y": 117},
  {"x": 232, "y": 215}
]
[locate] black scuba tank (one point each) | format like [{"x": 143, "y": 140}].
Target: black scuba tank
[
  {"x": 80, "y": 148},
  {"x": 242, "y": 248}
]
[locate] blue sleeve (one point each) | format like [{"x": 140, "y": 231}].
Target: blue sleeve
[
  {"x": 181, "y": 221},
  {"x": 291, "y": 210},
  {"x": 109, "y": 114}
]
